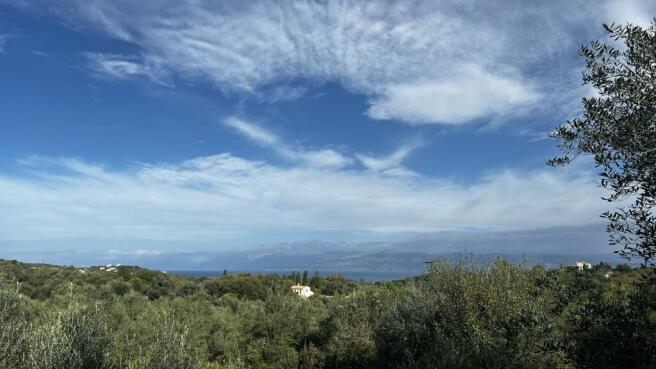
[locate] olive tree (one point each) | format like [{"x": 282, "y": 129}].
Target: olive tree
[{"x": 618, "y": 128}]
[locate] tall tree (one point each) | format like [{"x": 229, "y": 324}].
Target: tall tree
[
  {"x": 315, "y": 282},
  {"x": 618, "y": 128},
  {"x": 305, "y": 277}
]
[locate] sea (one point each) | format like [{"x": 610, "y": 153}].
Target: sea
[{"x": 368, "y": 276}]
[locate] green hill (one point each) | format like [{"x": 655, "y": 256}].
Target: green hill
[{"x": 455, "y": 315}]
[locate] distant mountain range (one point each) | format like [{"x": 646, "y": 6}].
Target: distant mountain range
[
  {"x": 280, "y": 260},
  {"x": 550, "y": 247}
]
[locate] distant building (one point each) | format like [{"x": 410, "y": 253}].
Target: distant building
[
  {"x": 583, "y": 265},
  {"x": 303, "y": 291},
  {"x": 108, "y": 268}
]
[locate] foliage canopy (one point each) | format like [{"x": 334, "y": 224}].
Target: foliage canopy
[{"x": 618, "y": 128}]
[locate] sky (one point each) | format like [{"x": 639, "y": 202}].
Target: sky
[{"x": 194, "y": 125}]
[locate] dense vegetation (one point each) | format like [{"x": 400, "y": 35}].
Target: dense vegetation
[{"x": 459, "y": 315}]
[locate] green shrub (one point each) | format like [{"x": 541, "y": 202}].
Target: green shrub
[
  {"x": 464, "y": 316},
  {"x": 13, "y": 327},
  {"x": 153, "y": 340},
  {"x": 74, "y": 338}
]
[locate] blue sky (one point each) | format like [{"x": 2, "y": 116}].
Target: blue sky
[{"x": 187, "y": 125}]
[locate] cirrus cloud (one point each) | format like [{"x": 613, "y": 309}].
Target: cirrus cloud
[
  {"x": 323, "y": 158},
  {"x": 419, "y": 62}
]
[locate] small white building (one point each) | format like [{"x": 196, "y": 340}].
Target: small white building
[
  {"x": 303, "y": 291},
  {"x": 108, "y": 268},
  {"x": 583, "y": 265}
]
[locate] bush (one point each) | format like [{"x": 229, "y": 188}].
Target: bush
[
  {"x": 119, "y": 288},
  {"x": 13, "y": 326},
  {"x": 74, "y": 338},
  {"x": 464, "y": 316},
  {"x": 240, "y": 285},
  {"x": 153, "y": 340},
  {"x": 614, "y": 328}
]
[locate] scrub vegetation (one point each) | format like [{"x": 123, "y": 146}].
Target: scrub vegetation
[{"x": 455, "y": 315}]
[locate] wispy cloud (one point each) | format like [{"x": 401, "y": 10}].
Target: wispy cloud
[
  {"x": 115, "y": 66},
  {"x": 326, "y": 158},
  {"x": 391, "y": 163},
  {"x": 282, "y": 93},
  {"x": 120, "y": 67},
  {"x": 253, "y": 132},
  {"x": 133, "y": 253},
  {"x": 419, "y": 62},
  {"x": 226, "y": 197},
  {"x": 3, "y": 42},
  {"x": 40, "y": 53}
]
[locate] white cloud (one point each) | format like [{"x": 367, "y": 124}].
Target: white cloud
[
  {"x": 115, "y": 66},
  {"x": 406, "y": 57},
  {"x": 323, "y": 158},
  {"x": 638, "y": 12},
  {"x": 252, "y": 131},
  {"x": 391, "y": 163},
  {"x": 471, "y": 94},
  {"x": 282, "y": 93},
  {"x": 135, "y": 253},
  {"x": 225, "y": 197}
]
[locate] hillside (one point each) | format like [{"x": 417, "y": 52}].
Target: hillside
[{"x": 455, "y": 315}]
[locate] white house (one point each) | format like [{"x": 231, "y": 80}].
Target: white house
[
  {"x": 303, "y": 291},
  {"x": 582, "y": 265},
  {"x": 108, "y": 268}
]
